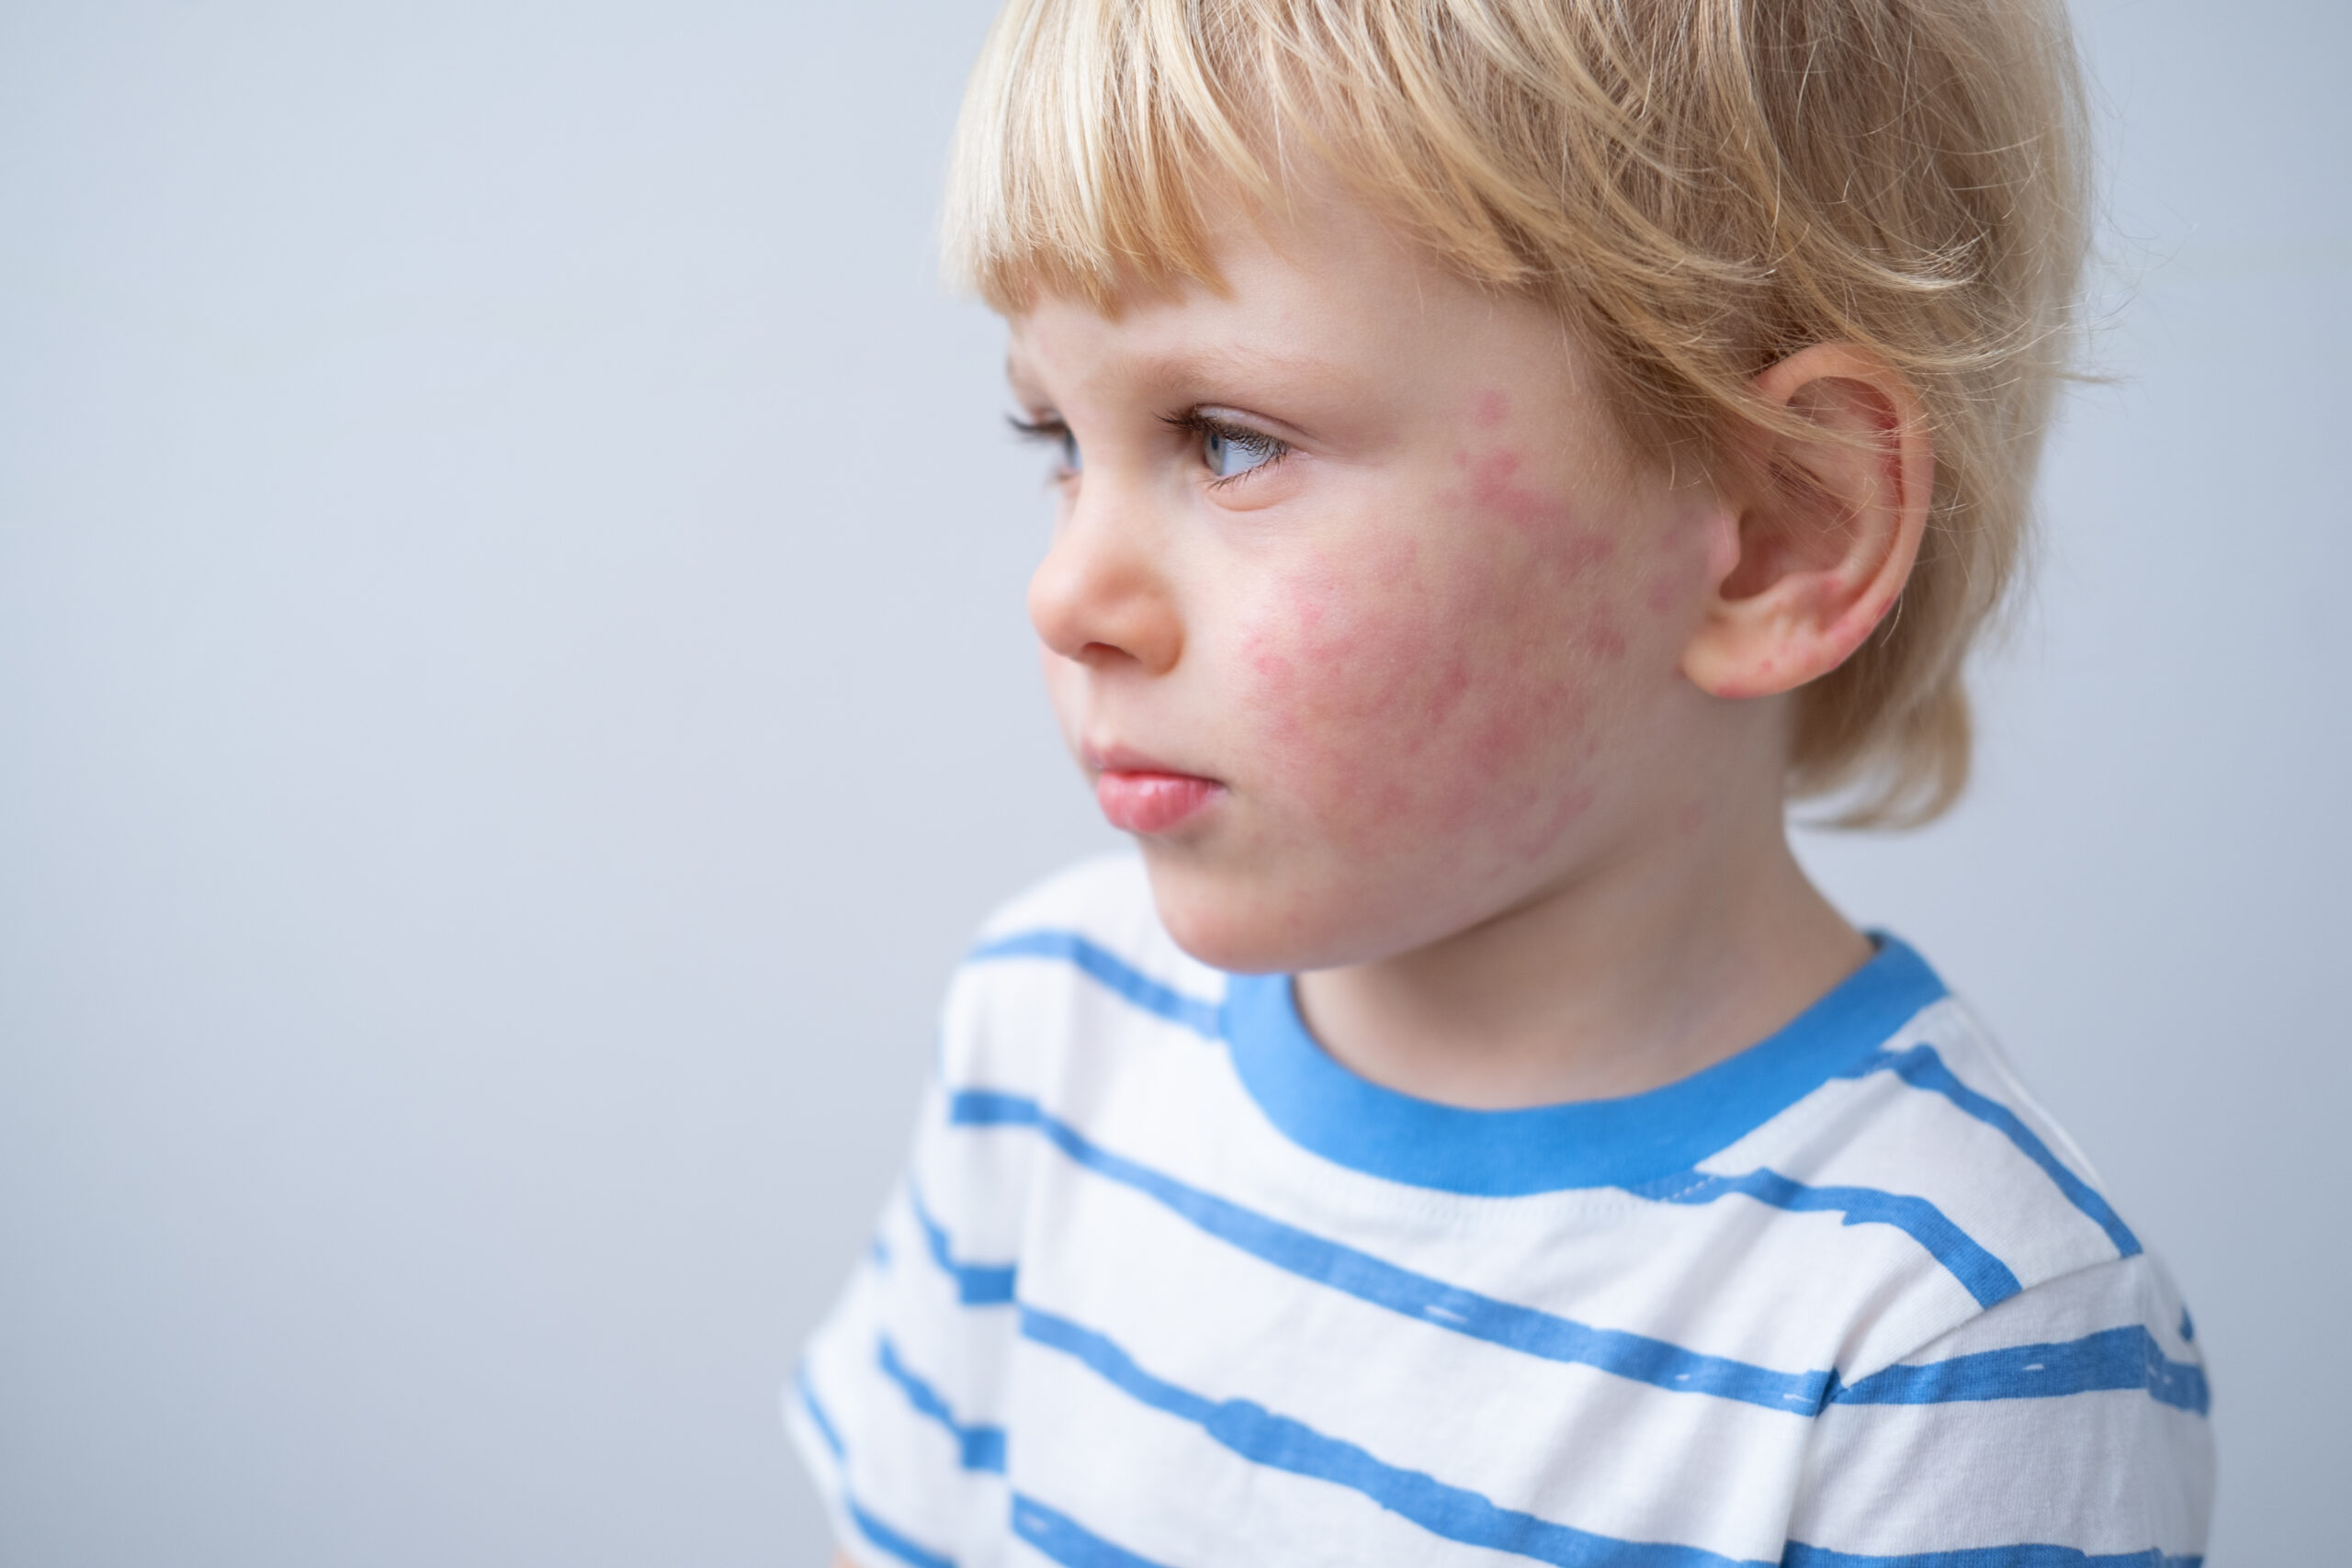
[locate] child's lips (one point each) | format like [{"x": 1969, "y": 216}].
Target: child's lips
[{"x": 1145, "y": 800}]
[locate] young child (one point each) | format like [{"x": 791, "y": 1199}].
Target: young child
[{"x": 1506, "y": 450}]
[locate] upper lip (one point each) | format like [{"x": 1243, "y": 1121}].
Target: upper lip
[{"x": 1115, "y": 758}]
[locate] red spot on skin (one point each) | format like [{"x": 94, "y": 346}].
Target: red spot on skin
[
  {"x": 1604, "y": 640},
  {"x": 1491, "y": 488},
  {"x": 1489, "y": 410},
  {"x": 1561, "y": 553},
  {"x": 1661, "y": 596},
  {"x": 1690, "y": 818}
]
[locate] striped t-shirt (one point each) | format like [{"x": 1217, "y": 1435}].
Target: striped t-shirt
[{"x": 1165, "y": 1284}]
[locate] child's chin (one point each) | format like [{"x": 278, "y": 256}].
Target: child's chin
[{"x": 1238, "y": 923}]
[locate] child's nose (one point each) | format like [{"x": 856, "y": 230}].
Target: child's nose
[{"x": 1100, "y": 596}]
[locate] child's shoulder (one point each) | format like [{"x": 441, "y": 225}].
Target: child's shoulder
[{"x": 1933, "y": 1134}]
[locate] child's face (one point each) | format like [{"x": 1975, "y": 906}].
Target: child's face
[{"x": 1359, "y": 610}]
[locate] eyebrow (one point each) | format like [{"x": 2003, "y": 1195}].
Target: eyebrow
[{"x": 1177, "y": 367}]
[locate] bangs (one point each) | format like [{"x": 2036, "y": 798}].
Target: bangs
[
  {"x": 1087, "y": 131},
  {"x": 1097, "y": 134}
]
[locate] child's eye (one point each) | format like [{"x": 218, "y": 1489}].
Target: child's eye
[
  {"x": 1057, "y": 433},
  {"x": 1229, "y": 450},
  {"x": 1232, "y": 453}
]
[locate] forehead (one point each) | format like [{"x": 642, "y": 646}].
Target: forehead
[{"x": 1321, "y": 294}]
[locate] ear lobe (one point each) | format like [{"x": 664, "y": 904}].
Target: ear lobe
[{"x": 1824, "y": 530}]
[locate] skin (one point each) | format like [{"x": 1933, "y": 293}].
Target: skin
[{"x": 1498, "y": 708}]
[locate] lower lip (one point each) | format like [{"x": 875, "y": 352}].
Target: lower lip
[{"x": 1153, "y": 802}]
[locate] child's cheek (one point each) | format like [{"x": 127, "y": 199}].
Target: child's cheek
[{"x": 1441, "y": 681}]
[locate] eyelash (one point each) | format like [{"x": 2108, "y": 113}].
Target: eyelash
[
  {"x": 1050, "y": 431},
  {"x": 1196, "y": 424}
]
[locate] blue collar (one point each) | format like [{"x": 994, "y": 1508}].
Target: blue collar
[{"x": 1546, "y": 1148}]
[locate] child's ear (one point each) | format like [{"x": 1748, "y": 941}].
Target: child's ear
[{"x": 1820, "y": 537}]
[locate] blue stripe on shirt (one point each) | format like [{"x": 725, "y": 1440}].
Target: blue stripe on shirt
[
  {"x": 2127, "y": 1358},
  {"x": 816, "y": 1416},
  {"x": 1264, "y": 1438},
  {"x": 1066, "y": 1540},
  {"x": 1633, "y": 1356},
  {"x": 1984, "y": 1276},
  {"x": 976, "y": 1285},
  {"x": 1102, "y": 964},
  {"x": 879, "y": 1531},
  {"x": 1922, "y": 1069},
  {"x": 978, "y": 1446},
  {"x": 889, "y": 1539}
]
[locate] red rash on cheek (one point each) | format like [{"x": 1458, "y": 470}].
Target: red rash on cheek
[
  {"x": 1396, "y": 705},
  {"x": 1557, "y": 548},
  {"x": 1273, "y": 667},
  {"x": 1521, "y": 784},
  {"x": 1561, "y": 558},
  {"x": 1492, "y": 491},
  {"x": 1433, "y": 692},
  {"x": 1445, "y": 695}
]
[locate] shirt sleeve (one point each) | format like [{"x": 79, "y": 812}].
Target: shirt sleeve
[
  {"x": 2069, "y": 1419},
  {"x": 897, "y": 1405}
]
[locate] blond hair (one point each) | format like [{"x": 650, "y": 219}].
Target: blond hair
[{"x": 1700, "y": 186}]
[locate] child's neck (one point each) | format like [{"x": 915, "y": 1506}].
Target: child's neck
[{"x": 1641, "y": 971}]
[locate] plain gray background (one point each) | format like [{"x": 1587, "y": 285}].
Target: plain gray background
[{"x": 514, "y": 688}]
